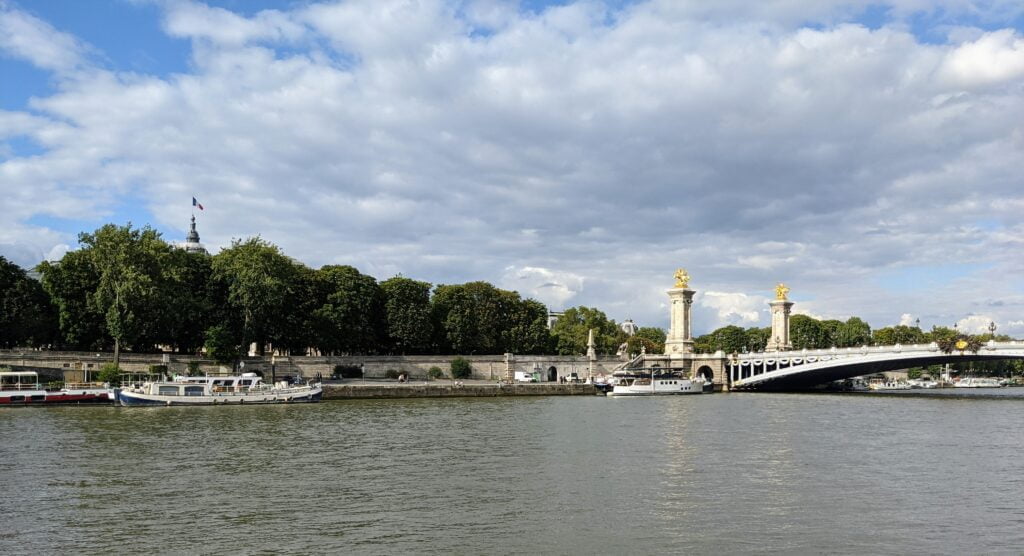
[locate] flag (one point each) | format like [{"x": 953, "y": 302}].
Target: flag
[{"x": 195, "y": 203}]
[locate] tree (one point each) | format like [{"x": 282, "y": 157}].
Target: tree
[
  {"x": 27, "y": 318},
  {"x": 471, "y": 317},
  {"x": 223, "y": 344},
  {"x": 901, "y": 334},
  {"x": 259, "y": 281},
  {"x": 571, "y": 330},
  {"x": 128, "y": 263},
  {"x": 407, "y": 311},
  {"x": 807, "y": 333},
  {"x": 187, "y": 301},
  {"x": 527, "y": 326},
  {"x": 655, "y": 336},
  {"x": 853, "y": 333},
  {"x": 351, "y": 317},
  {"x": 757, "y": 338},
  {"x": 70, "y": 284}
]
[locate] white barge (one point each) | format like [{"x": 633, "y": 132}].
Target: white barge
[{"x": 218, "y": 390}]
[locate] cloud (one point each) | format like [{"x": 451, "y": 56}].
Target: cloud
[
  {"x": 974, "y": 324},
  {"x": 575, "y": 144},
  {"x": 34, "y": 40},
  {"x": 734, "y": 308}
]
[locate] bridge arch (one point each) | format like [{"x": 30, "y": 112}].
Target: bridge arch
[
  {"x": 552, "y": 374},
  {"x": 794, "y": 370},
  {"x": 706, "y": 372}
]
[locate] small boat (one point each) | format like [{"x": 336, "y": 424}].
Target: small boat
[
  {"x": 888, "y": 385},
  {"x": 925, "y": 383},
  {"x": 641, "y": 383},
  {"x": 978, "y": 382},
  {"x": 23, "y": 388},
  {"x": 248, "y": 388}
]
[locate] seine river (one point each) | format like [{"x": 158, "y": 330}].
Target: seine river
[{"x": 723, "y": 473}]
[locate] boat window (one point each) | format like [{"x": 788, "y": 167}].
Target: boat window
[
  {"x": 193, "y": 390},
  {"x": 168, "y": 391},
  {"x": 17, "y": 398},
  {"x": 245, "y": 382},
  {"x": 38, "y": 397}
]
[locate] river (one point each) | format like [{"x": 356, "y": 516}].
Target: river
[{"x": 724, "y": 473}]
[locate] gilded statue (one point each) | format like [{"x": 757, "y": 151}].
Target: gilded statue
[
  {"x": 682, "y": 278},
  {"x": 780, "y": 291}
]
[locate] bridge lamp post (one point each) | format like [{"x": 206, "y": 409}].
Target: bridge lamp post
[{"x": 992, "y": 329}]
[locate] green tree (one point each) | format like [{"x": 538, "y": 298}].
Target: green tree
[
  {"x": 526, "y": 329},
  {"x": 656, "y": 336},
  {"x": 70, "y": 284},
  {"x": 901, "y": 334},
  {"x": 853, "y": 333},
  {"x": 570, "y": 332},
  {"x": 757, "y": 338},
  {"x": 471, "y": 318},
  {"x": 407, "y": 310},
  {"x": 807, "y": 333},
  {"x": 259, "y": 282},
  {"x": 128, "y": 263},
  {"x": 223, "y": 344},
  {"x": 187, "y": 301},
  {"x": 351, "y": 318},
  {"x": 27, "y": 318}
]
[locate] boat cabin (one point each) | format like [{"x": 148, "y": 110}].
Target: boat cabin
[{"x": 19, "y": 380}]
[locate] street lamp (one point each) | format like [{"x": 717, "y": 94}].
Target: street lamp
[
  {"x": 992, "y": 329},
  {"x": 918, "y": 323}
]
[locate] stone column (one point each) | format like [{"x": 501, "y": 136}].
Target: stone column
[
  {"x": 679, "y": 340},
  {"x": 779, "y": 340}
]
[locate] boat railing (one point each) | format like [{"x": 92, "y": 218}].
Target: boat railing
[
  {"x": 19, "y": 387},
  {"x": 84, "y": 385}
]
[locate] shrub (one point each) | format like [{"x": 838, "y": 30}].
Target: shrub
[
  {"x": 193, "y": 369},
  {"x": 348, "y": 371},
  {"x": 390, "y": 373},
  {"x": 461, "y": 368},
  {"x": 111, "y": 374},
  {"x": 158, "y": 370},
  {"x": 435, "y": 372}
]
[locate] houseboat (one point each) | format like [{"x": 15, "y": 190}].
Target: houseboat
[
  {"x": 650, "y": 383},
  {"x": 23, "y": 388},
  {"x": 248, "y": 388}
]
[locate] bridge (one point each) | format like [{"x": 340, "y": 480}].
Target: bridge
[
  {"x": 793, "y": 370},
  {"x": 779, "y": 367}
]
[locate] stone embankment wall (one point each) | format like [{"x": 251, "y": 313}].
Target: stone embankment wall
[
  {"x": 486, "y": 367},
  {"x": 371, "y": 392}
]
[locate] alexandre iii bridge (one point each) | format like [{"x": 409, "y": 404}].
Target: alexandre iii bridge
[{"x": 780, "y": 367}]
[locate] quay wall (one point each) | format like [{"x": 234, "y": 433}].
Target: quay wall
[
  {"x": 485, "y": 367},
  {"x": 374, "y": 392}
]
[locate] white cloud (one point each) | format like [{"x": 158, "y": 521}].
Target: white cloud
[
  {"x": 32, "y": 39},
  {"x": 974, "y": 324},
  {"x": 733, "y": 307},
  {"x": 576, "y": 145},
  {"x": 906, "y": 319},
  {"x": 553, "y": 288}
]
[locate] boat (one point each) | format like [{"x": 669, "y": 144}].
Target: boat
[
  {"x": 888, "y": 385},
  {"x": 649, "y": 383},
  {"x": 925, "y": 383},
  {"x": 23, "y": 388},
  {"x": 978, "y": 382},
  {"x": 248, "y": 388}
]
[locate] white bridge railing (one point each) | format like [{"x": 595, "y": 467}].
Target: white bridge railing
[{"x": 748, "y": 369}]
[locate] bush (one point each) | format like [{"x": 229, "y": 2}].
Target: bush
[
  {"x": 435, "y": 372},
  {"x": 158, "y": 370},
  {"x": 348, "y": 371},
  {"x": 461, "y": 368},
  {"x": 111, "y": 374},
  {"x": 193, "y": 369},
  {"x": 390, "y": 373}
]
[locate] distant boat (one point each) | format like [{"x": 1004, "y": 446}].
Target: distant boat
[
  {"x": 888, "y": 385},
  {"x": 926, "y": 383},
  {"x": 647, "y": 383},
  {"x": 23, "y": 388},
  {"x": 978, "y": 382},
  {"x": 218, "y": 390}
]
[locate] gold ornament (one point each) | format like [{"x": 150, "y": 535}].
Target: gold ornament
[
  {"x": 682, "y": 278},
  {"x": 780, "y": 291},
  {"x": 961, "y": 344}
]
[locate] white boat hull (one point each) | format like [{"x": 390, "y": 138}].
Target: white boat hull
[{"x": 661, "y": 387}]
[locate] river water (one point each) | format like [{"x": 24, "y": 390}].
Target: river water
[{"x": 723, "y": 473}]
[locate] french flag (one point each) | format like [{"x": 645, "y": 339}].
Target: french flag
[{"x": 195, "y": 203}]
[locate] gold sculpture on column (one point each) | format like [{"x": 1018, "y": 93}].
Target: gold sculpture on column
[
  {"x": 682, "y": 278},
  {"x": 780, "y": 291}
]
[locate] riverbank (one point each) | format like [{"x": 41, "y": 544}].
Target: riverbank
[{"x": 373, "y": 391}]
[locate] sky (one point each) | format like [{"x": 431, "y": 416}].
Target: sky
[{"x": 867, "y": 154}]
